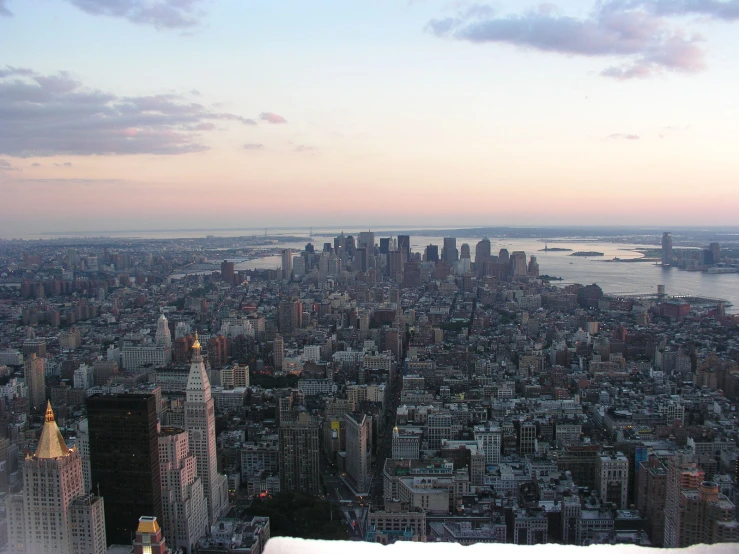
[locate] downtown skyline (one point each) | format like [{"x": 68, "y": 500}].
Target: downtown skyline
[{"x": 141, "y": 115}]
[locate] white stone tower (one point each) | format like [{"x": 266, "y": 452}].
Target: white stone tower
[
  {"x": 57, "y": 515},
  {"x": 163, "y": 337},
  {"x": 184, "y": 510},
  {"x": 200, "y": 425}
]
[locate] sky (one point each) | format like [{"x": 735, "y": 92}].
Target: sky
[{"x": 160, "y": 114}]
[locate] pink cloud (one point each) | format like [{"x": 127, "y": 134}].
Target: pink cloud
[{"x": 270, "y": 117}]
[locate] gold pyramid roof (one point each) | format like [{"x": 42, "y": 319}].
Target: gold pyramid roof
[
  {"x": 51, "y": 444},
  {"x": 148, "y": 524}
]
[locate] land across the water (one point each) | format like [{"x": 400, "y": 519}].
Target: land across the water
[
  {"x": 555, "y": 249},
  {"x": 587, "y": 253},
  {"x": 634, "y": 260}
]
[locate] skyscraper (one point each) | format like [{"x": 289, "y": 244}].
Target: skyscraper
[
  {"x": 83, "y": 447},
  {"x": 366, "y": 239},
  {"x": 715, "y": 249},
  {"x": 432, "y": 253},
  {"x": 35, "y": 379},
  {"x": 695, "y": 511},
  {"x": 339, "y": 243},
  {"x": 482, "y": 251},
  {"x": 227, "y": 272},
  {"x": 124, "y": 458},
  {"x": 184, "y": 510},
  {"x": 518, "y": 263},
  {"x": 290, "y": 315},
  {"x": 612, "y": 478},
  {"x": 449, "y": 252},
  {"x": 278, "y": 351},
  {"x": 395, "y": 265},
  {"x": 533, "y": 269},
  {"x": 360, "y": 259},
  {"x": 56, "y": 514},
  {"x": 358, "y": 448},
  {"x": 287, "y": 263},
  {"x": 298, "y": 455},
  {"x": 350, "y": 245},
  {"x": 667, "y": 248},
  {"x": 504, "y": 258},
  {"x": 465, "y": 251},
  {"x": 163, "y": 337},
  {"x": 200, "y": 424},
  {"x": 404, "y": 245}
]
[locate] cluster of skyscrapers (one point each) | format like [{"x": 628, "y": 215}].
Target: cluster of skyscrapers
[
  {"x": 393, "y": 258},
  {"x": 125, "y": 465}
]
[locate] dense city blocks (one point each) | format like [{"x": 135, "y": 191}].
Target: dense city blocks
[{"x": 471, "y": 386}]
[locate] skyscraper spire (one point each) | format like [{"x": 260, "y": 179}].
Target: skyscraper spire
[
  {"x": 201, "y": 429},
  {"x": 51, "y": 444},
  {"x": 198, "y": 384}
]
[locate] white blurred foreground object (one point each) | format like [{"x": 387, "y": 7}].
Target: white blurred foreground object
[{"x": 281, "y": 545}]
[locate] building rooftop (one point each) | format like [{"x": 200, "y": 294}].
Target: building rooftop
[{"x": 51, "y": 444}]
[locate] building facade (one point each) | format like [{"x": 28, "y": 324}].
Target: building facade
[
  {"x": 358, "y": 448},
  {"x": 184, "y": 510},
  {"x": 299, "y": 455},
  {"x": 34, "y": 378},
  {"x": 200, "y": 424},
  {"x": 612, "y": 479},
  {"x": 124, "y": 460}
]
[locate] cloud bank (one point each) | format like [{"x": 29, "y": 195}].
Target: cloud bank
[
  {"x": 5, "y": 165},
  {"x": 161, "y": 14},
  {"x": 48, "y": 115},
  {"x": 640, "y": 36},
  {"x": 726, "y": 10},
  {"x": 4, "y": 9}
]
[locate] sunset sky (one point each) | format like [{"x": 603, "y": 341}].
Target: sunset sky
[{"x": 147, "y": 114}]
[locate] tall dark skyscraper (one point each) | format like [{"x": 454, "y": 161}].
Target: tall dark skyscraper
[
  {"x": 432, "y": 253},
  {"x": 350, "y": 245},
  {"x": 404, "y": 245},
  {"x": 504, "y": 257},
  {"x": 395, "y": 265},
  {"x": 360, "y": 259},
  {"x": 449, "y": 253},
  {"x": 227, "y": 272},
  {"x": 124, "y": 459},
  {"x": 483, "y": 254},
  {"x": 384, "y": 245},
  {"x": 666, "y": 248}
]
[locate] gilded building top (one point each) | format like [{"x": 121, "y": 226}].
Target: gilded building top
[
  {"x": 51, "y": 444},
  {"x": 148, "y": 525}
]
